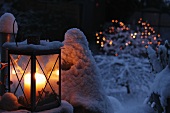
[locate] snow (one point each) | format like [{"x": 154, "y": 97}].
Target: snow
[
  {"x": 44, "y": 45},
  {"x": 64, "y": 108},
  {"x": 137, "y": 109},
  {"x": 9, "y": 102},
  {"x": 161, "y": 85},
  {"x": 157, "y": 67},
  {"x": 100, "y": 83},
  {"x": 6, "y": 23},
  {"x": 81, "y": 84},
  {"x": 116, "y": 72}
]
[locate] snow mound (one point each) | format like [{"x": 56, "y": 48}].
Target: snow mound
[
  {"x": 161, "y": 85},
  {"x": 6, "y": 23},
  {"x": 81, "y": 85}
]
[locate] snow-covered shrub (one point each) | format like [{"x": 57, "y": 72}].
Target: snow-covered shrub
[
  {"x": 160, "y": 93},
  {"x": 125, "y": 74},
  {"x": 159, "y": 59}
]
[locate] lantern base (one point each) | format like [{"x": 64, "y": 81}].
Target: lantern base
[
  {"x": 47, "y": 106},
  {"x": 65, "y": 107}
]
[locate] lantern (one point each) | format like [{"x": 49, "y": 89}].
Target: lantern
[{"x": 34, "y": 74}]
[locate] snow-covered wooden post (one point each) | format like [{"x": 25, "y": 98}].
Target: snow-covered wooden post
[{"x": 8, "y": 28}]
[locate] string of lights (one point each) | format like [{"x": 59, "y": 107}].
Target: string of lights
[{"x": 119, "y": 38}]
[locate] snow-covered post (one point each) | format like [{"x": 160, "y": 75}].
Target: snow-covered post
[{"x": 8, "y": 27}]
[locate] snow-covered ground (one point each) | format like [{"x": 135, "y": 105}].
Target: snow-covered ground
[{"x": 119, "y": 73}]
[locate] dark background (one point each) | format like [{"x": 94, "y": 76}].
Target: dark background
[{"x": 50, "y": 19}]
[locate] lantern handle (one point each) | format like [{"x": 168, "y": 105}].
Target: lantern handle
[{"x": 14, "y": 33}]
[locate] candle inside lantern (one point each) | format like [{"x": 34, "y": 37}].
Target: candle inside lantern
[{"x": 40, "y": 84}]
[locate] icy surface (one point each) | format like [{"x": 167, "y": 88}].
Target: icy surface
[
  {"x": 44, "y": 45},
  {"x": 6, "y": 23},
  {"x": 81, "y": 85}
]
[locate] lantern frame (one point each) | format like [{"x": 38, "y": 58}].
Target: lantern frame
[{"x": 33, "y": 54}]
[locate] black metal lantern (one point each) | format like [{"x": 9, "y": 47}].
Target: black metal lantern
[{"x": 34, "y": 76}]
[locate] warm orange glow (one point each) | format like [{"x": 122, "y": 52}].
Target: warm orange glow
[
  {"x": 40, "y": 83},
  {"x": 154, "y": 38},
  {"x": 129, "y": 42},
  {"x": 146, "y": 27},
  {"x": 148, "y": 24},
  {"x": 149, "y": 33},
  {"x": 146, "y": 46},
  {"x": 97, "y": 34},
  {"x": 111, "y": 42},
  {"x": 113, "y": 20},
  {"x": 116, "y": 54},
  {"x": 100, "y": 32},
  {"x": 13, "y": 72},
  {"x": 98, "y": 37},
  {"x": 159, "y": 35},
  {"x": 104, "y": 39},
  {"x": 150, "y": 42},
  {"x": 140, "y": 19},
  {"x": 57, "y": 72},
  {"x": 102, "y": 44},
  {"x": 121, "y": 24},
  {"x": 116, "y": 21},
  {"x": 143, "y": 23},
  {"x": 127, "y": 28}
]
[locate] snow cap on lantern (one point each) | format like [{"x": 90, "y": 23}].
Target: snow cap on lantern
[{"x": 6, "y": 23}]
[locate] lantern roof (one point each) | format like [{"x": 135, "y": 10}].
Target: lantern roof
[{"x": 43, "y": 46}]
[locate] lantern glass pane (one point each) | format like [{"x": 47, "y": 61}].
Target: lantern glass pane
[
  {"x": 48, "y": 68},
  {"x": 19, "y": 67}
]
